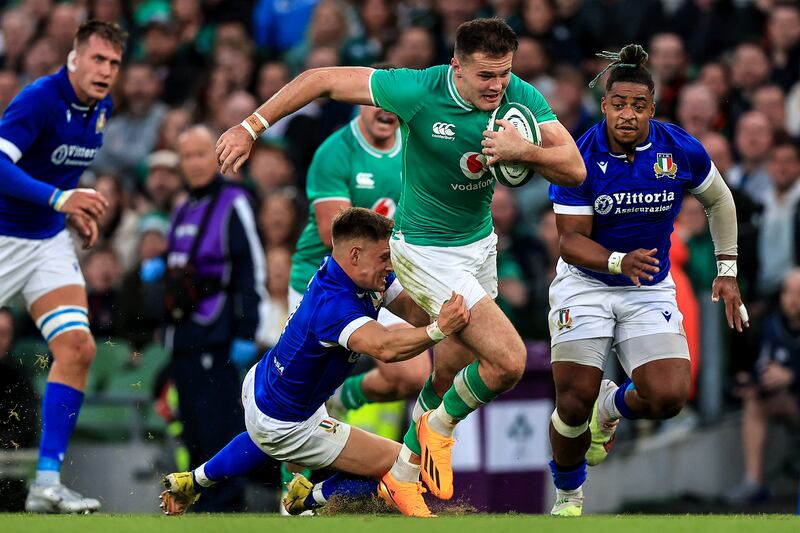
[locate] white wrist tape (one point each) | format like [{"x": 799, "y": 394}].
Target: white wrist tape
[
  {"x": 615, "y": 262},
  {"x": 434, "y": 332},
  {"x": 264, "y": 121},
  {"x": 727, "y": 267},
  {"x": 60, "y": 198},
  {"x": 249, "y": 129}
]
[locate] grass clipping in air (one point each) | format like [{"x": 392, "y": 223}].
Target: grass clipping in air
[{"x": 338, "y": 505}]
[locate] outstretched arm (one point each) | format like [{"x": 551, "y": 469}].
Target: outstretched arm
[{"x": 345, "y": 84}]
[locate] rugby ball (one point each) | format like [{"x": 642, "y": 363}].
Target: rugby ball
[{"x": 510, "y": 173}]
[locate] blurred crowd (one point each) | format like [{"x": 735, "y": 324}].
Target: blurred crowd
[{"x": 726, "y": 70}]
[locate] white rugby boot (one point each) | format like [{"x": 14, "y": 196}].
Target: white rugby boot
[
  {"x": 58, "y": 499},
  {"x": 568, "y": 503}
]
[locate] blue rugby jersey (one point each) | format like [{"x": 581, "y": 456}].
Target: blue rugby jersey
[
  {"x": 312, "y": 358},
  {"x": 49, "y": 134},
  {"x": 634, "y": 204}
]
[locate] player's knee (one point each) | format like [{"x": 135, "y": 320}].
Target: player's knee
[
  {"x": 78, "y": 351},
  {"x": 509, "y": 367},
  {"x": 668, "y": 403},
  {"x": 573, "y": 409}
]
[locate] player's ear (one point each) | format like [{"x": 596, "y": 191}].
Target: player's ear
[
  {"x": 354, "y": 255},
  {"x": 603, "y": 105},
  {"x": 456, "y": 66},
  {"x": 71, "y": 60}
]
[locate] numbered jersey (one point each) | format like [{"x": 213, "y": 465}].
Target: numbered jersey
[
  {"x": 346, "y": 167},
  {"x": 447, "y": 188},
  {"x": 312, "y": 357}
]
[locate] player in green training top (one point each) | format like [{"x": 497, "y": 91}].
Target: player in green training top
[
  {"x": 359, "y": 165},
  {"x": 443, "y": 238}
]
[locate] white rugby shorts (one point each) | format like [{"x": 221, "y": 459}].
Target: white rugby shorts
[
  {"x": 37, "y": 266},
  {"x": 431, "y": 273},
  {"x": 582, "y": 307},
  {"x": 314, "y": 443}
]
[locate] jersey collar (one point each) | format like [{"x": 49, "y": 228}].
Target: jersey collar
[
  {"x": 68, "y": 93},
  {"x": 371, "y": 150},
  {"x": 601, "y": 141},
  {"x": 340, "y": 276},
  {"x": 451, "y": 89}
]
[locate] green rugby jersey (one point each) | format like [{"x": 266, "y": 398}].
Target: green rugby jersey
[
  {"x": 346, "y": 167},
  {"x": 447, "y": 187}
]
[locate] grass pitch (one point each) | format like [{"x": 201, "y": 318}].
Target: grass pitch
[{"x": 246, "y": 523}]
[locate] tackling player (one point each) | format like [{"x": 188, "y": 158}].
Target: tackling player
[
  {"x": 49, "y": 134},
  {"x": 361, "y": 164},
  {"x": 613, "y": 288},
  {"x": 443, "y": 239},
  {"x": 284, "y": 394}
]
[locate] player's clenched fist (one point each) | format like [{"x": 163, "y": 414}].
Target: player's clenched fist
[
  {"x": 233, "y": 148},
  {"x": 454, "y": 315},
  {"x": 86, "y": 227},
  {"x": 86, "y": 202},
  {"x": 640, "y": 264}
]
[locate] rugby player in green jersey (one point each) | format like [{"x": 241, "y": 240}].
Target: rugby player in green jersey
[{"x": 443, "y": 239}]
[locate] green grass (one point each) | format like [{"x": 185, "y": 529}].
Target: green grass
[{"x": 199, "y": 523}]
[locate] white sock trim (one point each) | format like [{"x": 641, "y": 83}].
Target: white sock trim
[
  {"x": 316, "y": 493},
  {"x": 403, "y": 469},
  {"x": 564, "y": 430},
  {"x": 201, "y": 477}
]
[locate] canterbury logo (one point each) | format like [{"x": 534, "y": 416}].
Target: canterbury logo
[
  {"x": 443, "y": 130},
  {"x": 431, "y": 469}
]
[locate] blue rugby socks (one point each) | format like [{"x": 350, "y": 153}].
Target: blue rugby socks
[
  {"x": 60, "y": 407},
  {"x": 238, "y": 458}
]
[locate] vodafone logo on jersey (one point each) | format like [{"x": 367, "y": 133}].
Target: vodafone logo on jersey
[
  {"x": 385, "y": 207},
  {"x": 473, "y": 165}
]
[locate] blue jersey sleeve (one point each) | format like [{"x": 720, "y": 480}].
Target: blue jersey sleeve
[
  {"x": 338, "y": 318},
  {"x": 572, "y": 200},
  {"x": 22, "y": 121}
]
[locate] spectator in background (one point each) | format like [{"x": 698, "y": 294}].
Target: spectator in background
[
  {"x": 691, "y": 227},
  {"x": 769, "y": 99},
  {"x": 141, "y": 298},
  {"x": 174, "y": 122},
  {"x": 41, "y": 59},
  {"x": 9, "y": 87},
  {"x": 668, "y": 64},
  {"x": 777, "y": 239},
  {"x": 173, "y": 66},
  {"x": 17, "y": 28},
  {"x": 749, "y": 71},
  {"x": 329, "y": 28},
  {"x": 715, "y": 77},
  {"x": 118, "y": 225},
  {"x": 132, "y": 132},
  {"x": 210, "y": 95},
  {"x": 279, "y": 25},
  {"x": 532, "y": 63},
  {"x": 378, "y": 25},
  {"x": 271, "y": 77},
  {"x": 770, "y": 390},
  {"x": 539, "y": 21},
  {"x": 236, "y": 59},
  {"x": 278, "y": 220},
  {"x": 567, "y": 101},
  {"x": 269, "y": 169},
  {"x": 753, "y": 140},
  {"x": 415, "y": 48},
  {"x": 211, "y": 335},
  {"x": 275, "y": 310},
  {"x": 110, "y": 11},
  {"x": 612, "y": 24},
  {"x": 191, "y": 25},
  {"x": 512, "y": 291},
  {"x": 705, "y": 27},
  {"x": 783, "y": 38},
  {"x": 697, "y": 111},
  {"x": 62, "y": 25},
  {"x": 449, "y": 15},
  {"x": 103, "y": 276},
  {"x": 163, "y": 185}
]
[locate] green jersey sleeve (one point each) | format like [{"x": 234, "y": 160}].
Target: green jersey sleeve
[
  {"x": 525, "y": 93},
  {"x": 329, "y": 172},
  {"x": 401, "y": 91}
]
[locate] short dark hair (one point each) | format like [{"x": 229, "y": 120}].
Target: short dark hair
[
  {"x": 492, "y": 36},
  {"x": 360, "y": 223},
  {"x": 631, "y": 68},
  {"x": 108, "y": 31}
]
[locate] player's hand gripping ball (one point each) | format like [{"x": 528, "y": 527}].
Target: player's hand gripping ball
[{"x": 511, "y": 173}]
